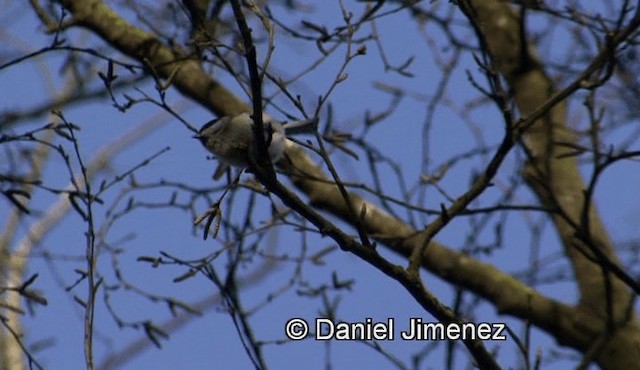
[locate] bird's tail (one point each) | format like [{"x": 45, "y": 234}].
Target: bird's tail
[{"x": 304, "y": 126}]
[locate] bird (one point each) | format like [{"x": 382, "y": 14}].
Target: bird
[{"x": 230, "y": 138}]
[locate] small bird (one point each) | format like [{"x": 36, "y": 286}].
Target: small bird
[{"x": 231, "y": 138}]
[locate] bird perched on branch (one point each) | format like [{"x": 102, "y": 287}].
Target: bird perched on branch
[{"x": 230, "y": 139}]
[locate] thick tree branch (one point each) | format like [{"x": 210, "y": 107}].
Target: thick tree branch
[
  {"x": 189, "y": 77},
  {"x": 557, "y": 180}
]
